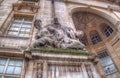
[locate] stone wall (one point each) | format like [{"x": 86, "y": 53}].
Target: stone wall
[{"x": 64, "y": 11}]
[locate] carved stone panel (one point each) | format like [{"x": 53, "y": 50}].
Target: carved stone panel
[
  {"x": 65, "y": 71},
  {"x": 39, "y": 70}
]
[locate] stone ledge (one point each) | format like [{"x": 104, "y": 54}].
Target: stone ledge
[{"x": 62, "y": 51}]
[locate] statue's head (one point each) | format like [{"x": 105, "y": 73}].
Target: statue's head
[
  {"x": 37, "y": 24},
  {"x": 79, "y": 34},
  {"x": 56, "y": 23}
]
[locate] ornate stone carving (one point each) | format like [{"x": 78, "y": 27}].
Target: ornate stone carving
[
  {"x": 39, "y": 70},
  {"x": 84, "y": 20},
  {"x": 56, "y": 36},
  {"x": 25, "y": 7}
]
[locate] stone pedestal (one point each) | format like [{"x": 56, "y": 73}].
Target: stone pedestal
[{"x": 56, "y": 64}]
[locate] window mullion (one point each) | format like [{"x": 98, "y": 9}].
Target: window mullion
[
  {"x": 20, "y": 26},
  {"x": 6, "y": 66}
]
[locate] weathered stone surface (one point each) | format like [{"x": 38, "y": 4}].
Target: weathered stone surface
[
  {"x": 57, "y": 36},
  {"x": 63, "y": 10}
]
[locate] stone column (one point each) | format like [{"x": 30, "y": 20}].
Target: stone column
[
  {"x": 94, "y": 72},
  {"x": 62, "y": 13},
  {"x": 29, "y": 71},
  {"x": 35, "y": 70},
  {"x": 84, "y": 71},
  {"x": 45, "y": 69}
]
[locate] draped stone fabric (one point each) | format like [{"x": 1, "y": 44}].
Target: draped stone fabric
[{"x": 56, "y": 36}]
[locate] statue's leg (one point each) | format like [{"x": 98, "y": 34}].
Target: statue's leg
[{"x": 73, "y": 44}]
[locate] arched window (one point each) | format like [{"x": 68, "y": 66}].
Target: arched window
[
  {"x": 107, "y": 62},
  {"x": 106, "y": 29},
  {"x": 95, "y": 38}
]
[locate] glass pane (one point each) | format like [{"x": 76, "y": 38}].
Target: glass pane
[
  {"x": 111, "y": 30},
  {"x": 108, "y": 60},
  {"x": 22, "y": 29},
  {"x": 10, "y": 70},
  {"x": 13, "y": 28},
  {"x": 19, "y": 62},
  {"x": 110, "y": 69},
  {"x": 13, "y": 33},
  {"x": 18, "y": 20},
  {"x": 26, "y": 26},
  {"x": 107, "y": 63},
  {"x": 16, "y": 62},
  {"x": 113, "y": 68},
  {"x": 3, "y": 61},
  {"x": 17, "y": 70},
  {"x": 12, "y": 62},
  {"x": 27, "y": 35},
  {"x": 27, "y": 30},
  {"x": 21, "y": 35},
  {"x": 16, "y": 25},
  {"x": 1, "y": 69},
  {"x": 27, "y": 22}
]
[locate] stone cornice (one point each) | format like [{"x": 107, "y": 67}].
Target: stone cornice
[
  {"x": 60, "y": 54},
  {"x": 93, "y": 4},
  {"x": 11, "y": 52}
]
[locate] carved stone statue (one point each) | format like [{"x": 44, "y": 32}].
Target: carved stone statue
[{"x": 56, "y": 36}]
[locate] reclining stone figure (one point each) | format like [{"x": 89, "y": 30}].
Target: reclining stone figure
[{"x": 56, "y": 36}]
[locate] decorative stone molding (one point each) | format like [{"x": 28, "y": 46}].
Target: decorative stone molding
[
  {"x": 113, "y": 1},
  {"x": 27, "y": 54},
  {"x": 25, "y": 7},
  {"x": 39, "y": 70}
]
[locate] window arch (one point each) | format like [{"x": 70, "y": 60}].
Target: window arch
[
  {"x": 106, "y": 29},
  {"x": 95, "y": 38}
]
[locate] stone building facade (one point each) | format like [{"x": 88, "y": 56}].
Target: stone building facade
[{"x": 98, "y": 19}]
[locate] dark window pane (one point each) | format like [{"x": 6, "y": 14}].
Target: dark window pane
[{"x": 107, "y": 30}]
